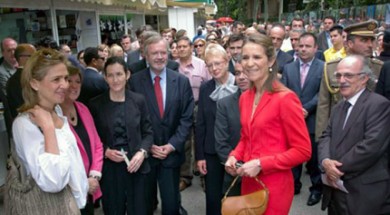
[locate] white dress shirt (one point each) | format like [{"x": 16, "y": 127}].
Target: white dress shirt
[{"x": 51, "y": 172}]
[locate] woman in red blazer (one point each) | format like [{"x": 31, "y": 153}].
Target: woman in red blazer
[
  {"x": 88, "y": 141},
  {"x": 274, "y": 137}
]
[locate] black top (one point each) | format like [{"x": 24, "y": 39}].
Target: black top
[
  {"x": 83, "y": 135},
  {"x": 118, "y": 124}
]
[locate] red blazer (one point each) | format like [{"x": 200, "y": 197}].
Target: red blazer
[
  {"x": 277, "y": 135},
  {"x": 96, "y": 145}
]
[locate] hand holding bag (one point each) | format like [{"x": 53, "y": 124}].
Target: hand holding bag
[{"x": 251, "y": 204}]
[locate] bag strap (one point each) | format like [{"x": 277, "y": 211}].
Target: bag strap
[
  {"x": 14, "y": 156},
  {"x": 234, "y": 182}
]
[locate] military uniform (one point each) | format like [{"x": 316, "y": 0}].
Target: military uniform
[{"x": 329, "y": 94}]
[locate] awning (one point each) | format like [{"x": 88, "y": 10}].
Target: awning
[
  {"x": 129, "y": 3},
  {"x": 189, "y": 3}
]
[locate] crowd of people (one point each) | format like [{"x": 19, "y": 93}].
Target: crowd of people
[{"x": 116, "y": 122}]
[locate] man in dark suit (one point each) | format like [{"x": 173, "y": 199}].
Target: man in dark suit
[
  {"x": 294, "y": 37},
  {"x": 277, "y": 34},
  {"x": 136, "y": 65},
  {"x": 353, "y": 147},
  {"x": 324, "y": 41},
  {"x": 93, "y": 82},
  {"x": 235, "y": 43},
  {"x": 171, "y": 104},
  {"x": 227, "y": 125},
  {"x": 304, "y": 78}
]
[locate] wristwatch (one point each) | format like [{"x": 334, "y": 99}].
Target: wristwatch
[{"x": 144, "y": 152}]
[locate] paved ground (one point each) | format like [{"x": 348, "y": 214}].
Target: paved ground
[{"x": 194, "y": 201}]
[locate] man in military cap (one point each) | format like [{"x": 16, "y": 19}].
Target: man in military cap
[{"x": 360, "y": 39}]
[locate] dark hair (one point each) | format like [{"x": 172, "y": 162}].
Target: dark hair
[
  {"x": 91, "y": 53},
  {"x": 72, "y": 70},
  {"x": 330, "y": 17},
  {"x": 114, "y": 60},
  {"x": 337, "y": 28},
  {"x": 309, "y": 34},
  {"x": 185, "y": 38},
  {"x": 79, "y": 54},
  {"x": 235, "y": 37},
  {"x": 48, "y": 42},
  {"x": 298, "y": 20},
  {"x": 235, "y": 23}
]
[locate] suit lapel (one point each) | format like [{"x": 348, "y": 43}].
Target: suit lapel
[
  {"x": 353, "y": 116},
  {"x": 297, "y": 76},
  {"x": 309, "y": 75},
  {"x": 262, "y": 103},
  {"x": 149, "y": 91},
  {"x": 170, "y": 91}
]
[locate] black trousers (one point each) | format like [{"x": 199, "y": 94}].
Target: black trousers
[
  {"x": 214, "y": 184},
  {"x": 122, "y": 192}
]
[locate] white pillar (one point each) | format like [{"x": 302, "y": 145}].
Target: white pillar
[{"x": 182, "y": 18}]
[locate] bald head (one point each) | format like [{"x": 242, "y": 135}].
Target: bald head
[
  {"x": 277, "y": 35},
  {"x": 8, "y": 46}
]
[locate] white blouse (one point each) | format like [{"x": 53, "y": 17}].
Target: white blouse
[{"x": 51, "y": 172}]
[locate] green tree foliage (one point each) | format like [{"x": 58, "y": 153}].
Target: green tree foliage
[{"x": 236, "y": 9}]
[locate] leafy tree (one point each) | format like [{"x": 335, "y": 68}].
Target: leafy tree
[{"x": 236, "y": 9}]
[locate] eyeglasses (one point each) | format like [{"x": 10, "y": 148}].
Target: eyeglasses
[
  {"x": 346, "y": 75},
  {"x": 215, "y": 64},
  {"x": 198, "y": 45}
]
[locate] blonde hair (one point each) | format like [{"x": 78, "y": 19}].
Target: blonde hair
[
  {"x": 36, "y": 68},
  {"x": 213, "y": 49},
  {"x": 114, "y": 49}
]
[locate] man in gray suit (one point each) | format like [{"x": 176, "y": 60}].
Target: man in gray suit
[
  {"x": 353, "y": 147},
  {"x": 227, "y": 124},
  {"x": 303, "y": 76}
]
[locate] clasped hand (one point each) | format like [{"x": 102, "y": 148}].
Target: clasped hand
[
  {"x": 332, "y": 172},
  {"x": 161, "y": 152},
  {"x": 249, "y": 169}
]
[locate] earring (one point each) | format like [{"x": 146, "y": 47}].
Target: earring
[{"x": 270, "y": 69}]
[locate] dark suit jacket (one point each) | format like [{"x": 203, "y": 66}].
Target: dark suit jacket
[
  {"x": 383, "y": 85},
  {"x": 204, "y": 127},
  {"x": 174, "y": 127},
  {"x": 360, "y": 147},
  {"x": 93, "y": 85},
  {"x": 319, "y": 54},
  {"x": 137, "y": 121},
  {"x": 308, "y": 95},
  {"x": 322, "y": 41},
  {"x": 227, "y": 125},
  {"x": 141, "y": 65},
  {"x": 231, "y": 67},
  {"x": 133, "y": 57},
  {"x": 282, "y": 59},
  {"x": 14, "y": 92}
]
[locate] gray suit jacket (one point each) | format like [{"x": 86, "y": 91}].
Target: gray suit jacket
[
  {"x": 308, "y": 95},
  {"x": 322, "y": 42},
  {"x": 360, "y": 147}
]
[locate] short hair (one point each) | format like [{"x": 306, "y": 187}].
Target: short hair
[
  {"x": 185, "y": 38},
  {"x": 337, "y": 28},
  {"x": 23, "y": 48},
  {"x": 72, "y": 70},
  {"x": 147, "y": 34},
  {"x": 165, "y": 31},
  {"x": 125, "y": 36},
  {"x": 103, "y": 46},
  {"x": 297, "y": 19},
  {"x": 266, "y": 43},
  {"x": 330, "y": 17},
  {"x": 154, "y": 40},
  {"x": 235, "y": 23},
  {"x": 79, "y": 54},
  {"x": 36, "y": 68},
  {"x": 299, "y": 31},
  {"x": 215, "y": 49},
  {"x": 278, "y": 25},
  {"x": 365, "y": 69},
  {"x": 114, "y": 49},
  {"x": 114, "y": 60},
  {"x": 48, "y": 42},
  {"x": 180, "y": 33},
  {"x": 4, "y": 40},
  {"x": 309, "y": 34},
  {"x": 235, "y": 37},
  {"x": 90, "y": 53}
]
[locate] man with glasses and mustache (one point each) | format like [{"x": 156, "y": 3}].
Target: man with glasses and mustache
[
  {"x": 195, "y": 70},
  {"x": 352, "y": 150},
  {"x": 235, "y": 43},
  {"x": 93, "y": 82},
  {"x": 360, "y": 38}
]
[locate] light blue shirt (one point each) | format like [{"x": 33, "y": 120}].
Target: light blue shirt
[
  {"x": 330, "y": 45},
  {"x": 163, "y": 83}
]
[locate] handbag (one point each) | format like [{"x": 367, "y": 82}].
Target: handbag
[
  {"x": 23, "y": 196},
  {"x": 250, "y": 204}
]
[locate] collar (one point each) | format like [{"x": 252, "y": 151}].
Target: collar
[
  {"x": 308, "y": 63},
  {"x": 163, "y": 74},
  {"x": 354, "y": 98},
  {"x": 92, "y": 68}
]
